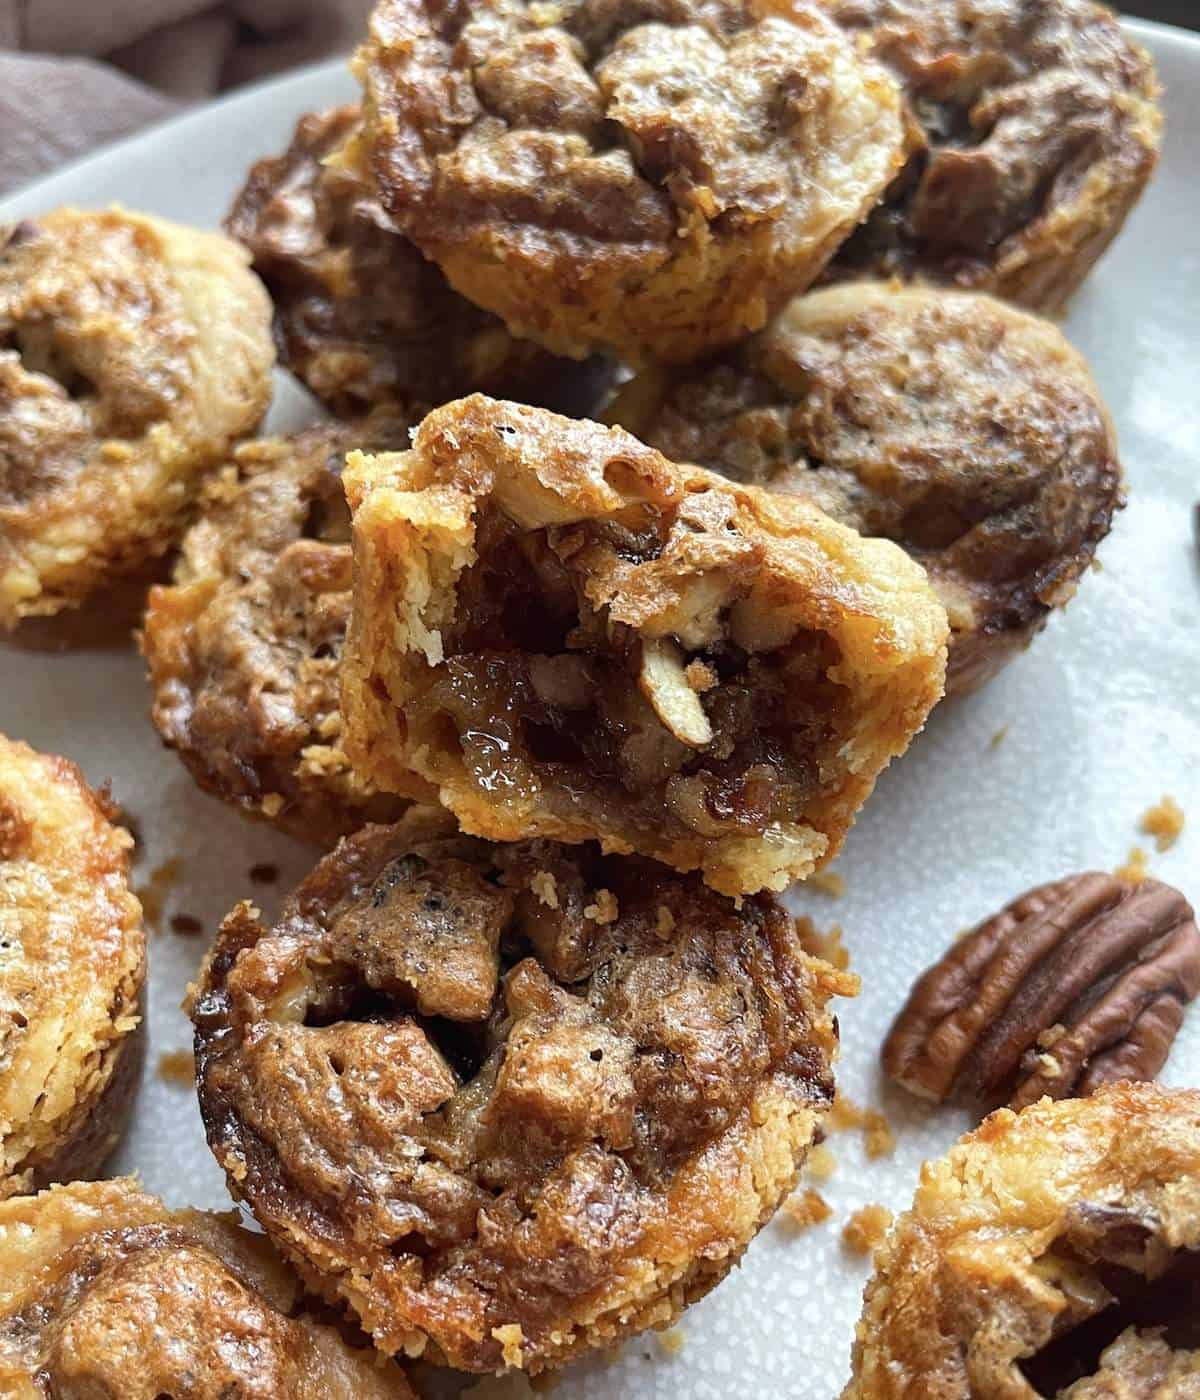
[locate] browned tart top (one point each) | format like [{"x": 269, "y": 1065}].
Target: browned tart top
[
  {"x": 514, "y": 1099},
  {"x": 106, "y": 1293}
]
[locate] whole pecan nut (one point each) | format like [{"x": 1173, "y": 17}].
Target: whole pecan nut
[{"x": 1077, "y": 983}]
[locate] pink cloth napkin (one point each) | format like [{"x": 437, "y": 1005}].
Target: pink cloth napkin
[{"x": 77, "y": 73}]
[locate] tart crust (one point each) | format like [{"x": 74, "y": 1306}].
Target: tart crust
[
  {"x": 72, "y": 966},
  {"x": 244, "y": 648},
  {"x": 650, "y": 178},
  {"x": 133, "y": 354},
  {"x": 1073, "y": 1225},
  {"x": 104, "y": 1291},
  {"x": 558, "y": 632},
  {"x": 970, "y": 433},
  {"x": 511, "y": 1102},
  {"x": 1035, "y": 126}
]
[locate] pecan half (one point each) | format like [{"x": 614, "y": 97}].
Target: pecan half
[{"x": 1077, "y": 983}]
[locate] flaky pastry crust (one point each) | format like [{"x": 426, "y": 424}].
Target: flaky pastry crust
[
  {"x": 72, "y": 965},
  {"x": 558, "y": 632},
  {"x": 970, "y": 433},
  {"x": 244, "y": 648},
  {"x": 1052, "y": 1248},
  {"x": 133, "y": 354},
  {"x": 106, "y": 1292},
  {"x": 360, "y": 315},
  {"x": 1036, "y": 127},
  {"x": 650, "y": 178},
  {"x": 511, "y": 1102}
]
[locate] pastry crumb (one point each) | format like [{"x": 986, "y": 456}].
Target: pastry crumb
[
  {"x": 821, "y": 1163},
  {"x": 827, "y": 945},
  {"x": 878, "y": 1138},
  {"x": 605, "y": 910},
  {"x": 666, "y": 922},
  {"x": 1164, "y": 821},
  {"x": 545, "y": 887},
  {"x": 1135, "y": 870},
  {"x": 998, "y": 737},
  {"x": 867, "y": 1229},
  {"x": 700, "y": 676},
  {"x": 178, "y": 1067},
  {"x": 805, "y": 1209},
  {"x": 511, "y": 1337},
  {"x": 272, "y": 804},
  {"x": 828, "y": 882},
  {"x": 672, "y": 1341}
]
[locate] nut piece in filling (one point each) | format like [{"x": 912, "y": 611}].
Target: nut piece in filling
[
  {"x": 560, "y": 633},
  {"x": 133, "y": 354},
  {"x": 104, "y": 1292},
  {"x": 72, "y": 964},
  {"x": 360, "y": 315},
  {"x": 511, "y": 1102},
  {"x": 968, "y": 432},
  {"x": 1054, "y": 1252},
  {"x": 1078, "y": 983},
  {"x": 1035, "y": 126},
  {"x": 651, "y": 178},
  {"x": 244, "y": 648}
]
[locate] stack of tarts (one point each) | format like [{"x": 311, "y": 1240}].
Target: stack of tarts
[{"x": 567, "y": 681}]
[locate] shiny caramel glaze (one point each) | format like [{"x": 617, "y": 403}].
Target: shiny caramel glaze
[{"x": 510, "y": 1102}]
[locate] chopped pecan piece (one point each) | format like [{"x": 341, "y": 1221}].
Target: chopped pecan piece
[{"x": 1078, "y": 983}]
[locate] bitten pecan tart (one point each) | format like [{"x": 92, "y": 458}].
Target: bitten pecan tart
[
  {"x": 511, "y": 1102},
  {"x": 1054, "y": 1252},
  {"x": 360, "y": 315},
  {"x": 650, "y": 177},
  {"x": 1035, "y": 127},
  {"x": 105, "y": 1294},
  {"x": 72, "y": 964},
  {"x": 244, "y": 648},
  {"x": 560, "y": 633},
  {"x": 133, "y": 354},
  {"x": 967, "y": 431}
]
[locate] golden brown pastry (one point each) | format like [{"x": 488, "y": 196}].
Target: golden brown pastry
[
  {"x": 72, "y": 964},
  {"x": 105, "y": 1294},
  {"x": 1035, "y": 127},
  {"x": 558, "y": 632},
  {"x": 133, "y": 354},
  {"x": 360, "y": 315},
  {"x": 244, "y": 648},
  {"x": 649, "y": 177},
  {"x": 511, "y": 1102},
  {"x": 969, "y": 432},
  {"x": 1053, "y": 1252}
]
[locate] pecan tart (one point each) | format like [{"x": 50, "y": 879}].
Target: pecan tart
[
  {"x": 1035, "y": 127},
  {"x": 650, "y": 177},
  {"x": 244, "y": 648},
  {"x": 105, "y": 1293},
  {"x": 1053, "y": 1252},
  {"x": 360, "y": 316},
  {"x": 560, "y": 633},
  {"x": 133, "y": 354},
  {"x": 72, "y": 964},
  {"x": 967, "y": 431},
  {"x": 511, "y": 1102}
]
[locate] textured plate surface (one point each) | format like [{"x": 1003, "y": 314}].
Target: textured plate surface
[{"x": 1045, "y": 773}]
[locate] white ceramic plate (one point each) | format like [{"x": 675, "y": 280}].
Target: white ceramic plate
[{"x": 1100, "y": 719}]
